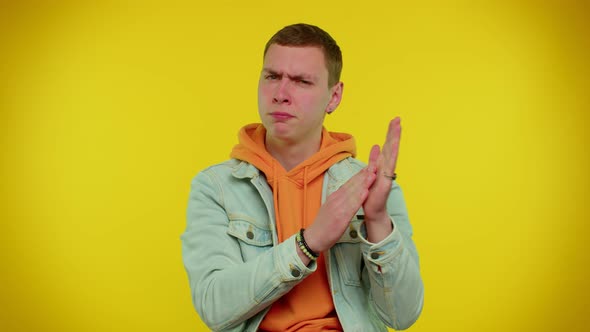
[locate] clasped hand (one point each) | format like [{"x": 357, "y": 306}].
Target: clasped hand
[{"x": 368, "y": 188}]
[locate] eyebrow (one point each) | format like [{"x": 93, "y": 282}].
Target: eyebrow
[{"x": 291, "y": 77}]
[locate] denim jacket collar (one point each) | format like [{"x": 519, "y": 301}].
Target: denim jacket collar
[{"x": 244, "y": 170}]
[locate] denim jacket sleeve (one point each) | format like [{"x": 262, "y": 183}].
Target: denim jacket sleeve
[
  {"x": 397, "y": 291},
  {"x": 227, "y": 290}
]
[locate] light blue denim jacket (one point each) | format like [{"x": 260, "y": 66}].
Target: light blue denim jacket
[{"x": 237, "y": 268}]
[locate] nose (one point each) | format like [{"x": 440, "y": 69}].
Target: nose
[{"x": 281, "y": 93}]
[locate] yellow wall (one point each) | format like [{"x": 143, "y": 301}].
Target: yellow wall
[{"x": 108, "y": 111}]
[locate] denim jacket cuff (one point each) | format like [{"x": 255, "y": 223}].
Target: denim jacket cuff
[
  {"x": 384, "y": 251},
  {"x": 289, "y": 264}
]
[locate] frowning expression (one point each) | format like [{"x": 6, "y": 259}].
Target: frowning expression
[{"x": 293, "y": 93}]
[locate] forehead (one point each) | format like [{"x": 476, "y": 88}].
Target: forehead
[{"x": 294, "y": 60}]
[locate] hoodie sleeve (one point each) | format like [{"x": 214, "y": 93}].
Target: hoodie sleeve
[
  {"x": 397, "y": 291},
  {"x": 226, "y": 291}
]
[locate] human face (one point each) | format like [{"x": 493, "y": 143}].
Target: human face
[{"x": 293, "y": 94}]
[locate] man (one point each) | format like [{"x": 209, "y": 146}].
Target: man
[{"x": 292, "y": 233}]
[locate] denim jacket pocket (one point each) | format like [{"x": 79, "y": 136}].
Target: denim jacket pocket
[
  {"x": 252, "y": 237},
  {"x": 348, "y": 254}
]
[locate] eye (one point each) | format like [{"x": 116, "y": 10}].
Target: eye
[
  {"x": 304, "y": 82},
  {"x": 271, "y": 77}
]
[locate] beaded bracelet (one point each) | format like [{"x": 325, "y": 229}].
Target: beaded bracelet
[{"x": 304, "y": 247}]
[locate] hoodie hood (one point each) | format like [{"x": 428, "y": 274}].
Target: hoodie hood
[{"x": 251, "y": 148}]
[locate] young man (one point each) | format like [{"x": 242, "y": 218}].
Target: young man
[{"x": 293, "y": 233}]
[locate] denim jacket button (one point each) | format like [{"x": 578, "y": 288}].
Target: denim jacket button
[
  {"x": 353, "y": 234},
  {"x": 250, "y": 235},
  {"x": 374, "y": 255},
  {"x": 295, "y": 273}
]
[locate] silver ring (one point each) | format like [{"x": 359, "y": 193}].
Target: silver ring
[{"x": 392, "y": 177}]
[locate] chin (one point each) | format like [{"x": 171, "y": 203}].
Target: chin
[{"x": 279, "y": 130}]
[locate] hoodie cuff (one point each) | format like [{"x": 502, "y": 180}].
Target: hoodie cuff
[
  {"x": 383, "y": 252},
  {"x": 289, "y": 264}
]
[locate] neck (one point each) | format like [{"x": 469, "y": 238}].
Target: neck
[{"x": 290, "y": 154}]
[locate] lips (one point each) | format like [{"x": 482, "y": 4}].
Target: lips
[{"x": 281, "y": 116}]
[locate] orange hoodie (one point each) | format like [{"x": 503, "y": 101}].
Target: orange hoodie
[{"x": 297, "y": 199}]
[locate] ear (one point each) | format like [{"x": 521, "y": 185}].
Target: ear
[{"x": 335, "y": 97}]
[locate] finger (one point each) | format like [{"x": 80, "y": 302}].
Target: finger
[
  {"x": 354, "y": 182},
  {"x": 359, "y": 182},
  {"x": 391, "y": 146},
  {"x": 394, "y": 130},
  {"x": 391, "y": 152},
  {"x": 373, "y": 158}
]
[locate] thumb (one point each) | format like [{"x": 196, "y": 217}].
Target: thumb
[{"x": 373, "y": 157}]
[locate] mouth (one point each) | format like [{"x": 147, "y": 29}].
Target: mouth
[{"x": 281, "y": 116}]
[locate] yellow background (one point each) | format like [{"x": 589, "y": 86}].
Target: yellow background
[{"x": 108, "y": 111}]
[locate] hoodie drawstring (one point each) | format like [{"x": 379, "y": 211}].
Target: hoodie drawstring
[
  {"x": 275, "y": 196},
  {"x": 305, "y": 195}
]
